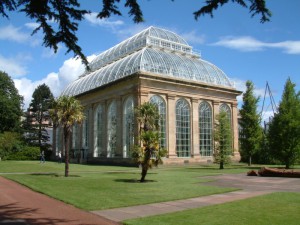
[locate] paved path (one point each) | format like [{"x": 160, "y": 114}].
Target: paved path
[
  {"x": 20, "y": 205},
  {"x": 251, "y": 187}
]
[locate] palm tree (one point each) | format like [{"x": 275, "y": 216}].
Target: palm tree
[
  {"x": 67, "y": 111},
  {"x": 149, "y": 153}
]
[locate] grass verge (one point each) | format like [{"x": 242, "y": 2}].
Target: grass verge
[{"x": 275, "y": 209}]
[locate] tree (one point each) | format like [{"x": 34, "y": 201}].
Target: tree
[
  {"x": 10, "y": 104},
  {"x": 67, "y": 14},
  {"x": 66, "y": 112},
  {"x": 284, "y": 129},
  {"x": 38, "y": 117},
  {"x": 149, "y": 153},
  {"x": 222, "y": 139},
  {"x": 251, "y": 131}
]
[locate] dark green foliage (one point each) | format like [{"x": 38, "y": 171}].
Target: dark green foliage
[
  {"x": 9, "y": 142},
  {"x": 284, "y": 129},
  {"x": 10, "y": 104},
  {"x": 256, "y": 7},
  {"x": 26, "y": 153},
  {"x": 262, "y": 156},
  {"x": 12, "y": 147},
  {"x": 149, "y": 153},
  {"x": 251, "y": 133},
  {"x": 67, "y": 14},
  {"x": 223, "y": 140},
  {"x": 38, "y": 117}
]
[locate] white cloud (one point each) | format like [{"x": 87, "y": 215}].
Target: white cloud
[
  {"x": 68, "y": 72},
  {"x": 32, "y": 26},
  {"x": 13, "y": 66},
  {"x": 92, "y": 18},
  {"x": 12, "y": 33},
  {"x": 248, "y": 44},
  {"x": 267, "y": 115},
  {"x": 193, "y": 37},
  {"x": 289, "y": 47}
]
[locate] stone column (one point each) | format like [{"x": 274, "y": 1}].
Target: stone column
[
  {"x": 235, "y": 131},
  {"x": 171, "y": 127},
  {"x": 195, "y": 129},
  {"x": 144, "y": 97},
  {"x": 216, "y": 108}
]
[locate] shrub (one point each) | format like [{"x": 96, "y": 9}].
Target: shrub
[
  {"x": 26, "y": 153},
  {"x": 9, "y": 142}
]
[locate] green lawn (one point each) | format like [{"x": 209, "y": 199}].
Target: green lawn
[
  {"x": 102, "y": 187},
  {"x": 272, "y": 209}
]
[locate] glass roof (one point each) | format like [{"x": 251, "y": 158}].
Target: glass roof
[{"x": 153, "y": 50}]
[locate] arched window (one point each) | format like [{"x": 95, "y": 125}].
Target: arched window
[
  {"x": 183, "y": 129},
  {"x": 225, "y": 108},
  {"x": 75, "y": 140},
  {"x": 128, "y": 125},
  {"x": 85, "y": 135},
  {"x": 85, "y": 130},
  {"x": 161, "y": 105},
  {"x": 59, "y": 141},
  {"x": 98, "y": 131},
  {"x": 111, "y": 129},
  {"x": 205, "y": 129}
]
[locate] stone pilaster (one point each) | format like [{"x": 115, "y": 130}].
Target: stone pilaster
[
  {"x": 235, "y": 130},
  {"x": 144, "y": 97},
  {"x": 195, "y": 129},
  {"x": 216, "y": 109},
  {"x": 171, "y": 118}
]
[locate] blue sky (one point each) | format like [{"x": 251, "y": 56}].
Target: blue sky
[{"x": 240, "y": 45}]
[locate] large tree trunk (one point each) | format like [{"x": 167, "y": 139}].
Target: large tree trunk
[
  {"x": 145, "y": 164},
  {"x": 221, "y": 165},
  {"x": 66, "y": 137},
  {"x": 144, "y": 172}
]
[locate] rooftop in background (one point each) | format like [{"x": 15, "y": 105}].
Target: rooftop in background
[{"x": 154, "y": 50}]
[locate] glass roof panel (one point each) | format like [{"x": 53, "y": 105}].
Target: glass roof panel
[{"x": 137, "y": 54}]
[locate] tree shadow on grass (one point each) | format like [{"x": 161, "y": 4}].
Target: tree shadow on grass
[
  {"x": 53, "y": 175},
  {"x": 134, "y": 181}
]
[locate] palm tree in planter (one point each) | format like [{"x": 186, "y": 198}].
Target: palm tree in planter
[
  {"x": 67, "y": 111},
  {"x": 149, "y": 153}
]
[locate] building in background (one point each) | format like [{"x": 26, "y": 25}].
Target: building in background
[{"x": 159, "y": 66}]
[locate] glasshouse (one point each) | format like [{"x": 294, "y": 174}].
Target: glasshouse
[{"x": 159, "y": 66}]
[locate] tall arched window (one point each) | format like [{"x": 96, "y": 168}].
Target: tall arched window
[
  {"x": 98, "y": 131},
  {"x": 161, "y": 105},
  {"x": 225, "y": 108},
  {"x": 183, "y": 128},
  {"x": 85, "y": 130},
  {"x": 59, "y": 141},
  {"x": 85, "y": 134},
  {"x": 128, "y": 125},
  {"x": 112, "y": 129},
  {"x": 205, "y": 129},
  {"x": 75, "y": 140}
]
